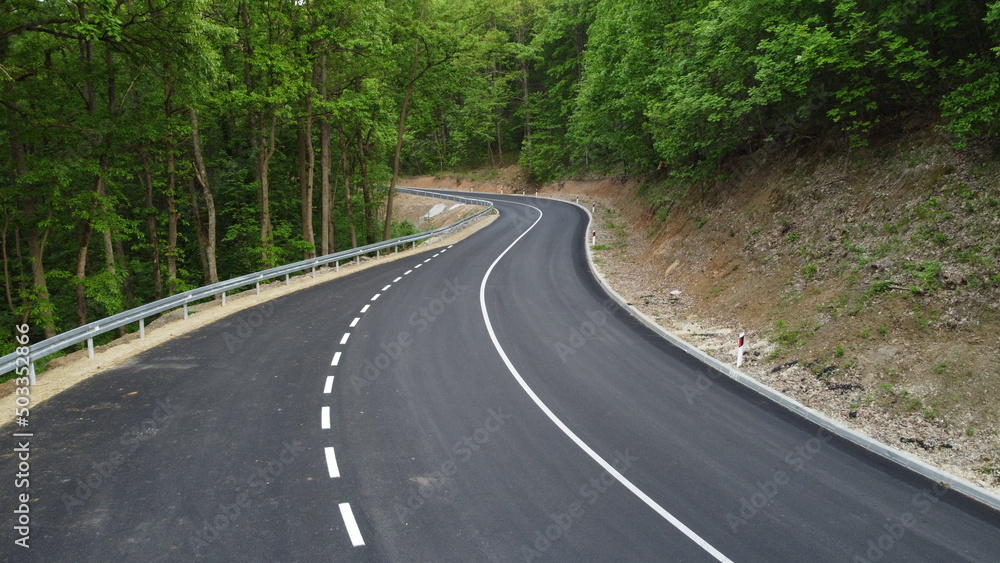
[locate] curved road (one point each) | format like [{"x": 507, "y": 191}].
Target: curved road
[{"x": 486, "y": 402}]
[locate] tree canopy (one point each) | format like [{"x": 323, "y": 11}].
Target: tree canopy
[{"x": 149, "y": 147}]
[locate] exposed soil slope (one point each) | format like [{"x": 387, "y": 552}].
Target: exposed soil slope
[{"x": 867, "y": 281}]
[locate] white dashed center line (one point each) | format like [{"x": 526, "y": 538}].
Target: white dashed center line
[
  {"x": 426, "y": 261},
  {"x": 406, "y": 273},
  {"x": 324, "y": 418},
  {"x": 352, "y": 524},
  {"x": 397, "y": 279},
  {"x": 417, "y": 266},
  {"x": 376, "y": 296},
  {"x": 331, "y": 463},
  {"x": 344, "y": 339},
  {"x": 365, "y": 308},
  {"x": 354, "y": 323},
  {"x": 436, "y": 255},
  {"x": 329, "y": 384},
  {"x": 336, "y": 357},
  {"x": 386, "y": 288}
]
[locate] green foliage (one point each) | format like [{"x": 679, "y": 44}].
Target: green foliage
[
  {"x": 927, "y": 275},
  {"x": 403, "y": 228}
]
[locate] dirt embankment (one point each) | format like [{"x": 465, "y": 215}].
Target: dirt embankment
[{"x": 867, "y": 281}]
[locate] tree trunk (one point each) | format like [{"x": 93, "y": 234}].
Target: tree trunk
[
  {"x": 325, "y": 168},
  {"x": 307, "y": 167},
  {"x": 128, "y": 280},
  {"x": 81, "y": 274},
  {"x": 172, "y": 218},
  {"x": 6, "y": 269},
  {"x": 366, "y": 188},
  {"x": 524, "y": 89},
  {"x": 201, "y": 174},
  {"x": 36, "y": 252},
  {"x": 147, "y": 180},
  {"x": 42, "y": 304},
  {"x": 347, "y": 186},
  {"x": 415, "y": 74},
  {"x": 265, "y": 150},
  {"x": 199, "y": 227}
]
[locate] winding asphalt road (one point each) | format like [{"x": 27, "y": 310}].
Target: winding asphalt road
[{"x": 486, "y": 402}]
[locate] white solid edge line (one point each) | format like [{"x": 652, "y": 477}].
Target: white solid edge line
[
  {"x": 329, "y": 384},
  {"x": 324, "y": 418},
  {"x": 365, "y": 308},
  {"x": 352, "y": 525},
  {"x": 336, "y": 359},
  {"x": 331, "y": 462},
  {"x": 354, "y": 323},
  {"x": 386, "y": 287},
  {"x": 344, "y": 339},
  {"x": 397, "y": 279},
  {"x": 377, "y": 295},
  {"x": 562, "y": 426}
]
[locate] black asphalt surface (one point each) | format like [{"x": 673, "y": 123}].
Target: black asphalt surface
[{"x": 212, "y": 446}]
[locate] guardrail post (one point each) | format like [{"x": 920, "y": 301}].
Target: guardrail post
[
  {"x": 185, "y": 311},
  {"x": 223, "y": 298},
  {"x": 337, "y": 265},
  {"x": 314, "y": 270},
  {"x": 31, "y": 373},
  {"x": 378, "y": 254},
  {"x": 286, "y": 279},
  {"x": 90, "y": 347},
  {"x": 142, "y": 328}
]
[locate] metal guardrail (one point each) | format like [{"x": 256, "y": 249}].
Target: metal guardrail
[{"x": 87, "y": 332}]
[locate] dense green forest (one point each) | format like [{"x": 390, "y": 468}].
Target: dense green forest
[{"x": 151, "y": 146}]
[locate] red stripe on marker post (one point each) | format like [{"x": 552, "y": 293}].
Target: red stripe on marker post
[{"x": 739, "y": 350}]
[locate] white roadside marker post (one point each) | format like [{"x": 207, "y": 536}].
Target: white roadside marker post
[
  {"x": 593, "y": 238},
  {"x": 739, "y": 350}
]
